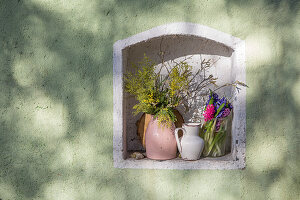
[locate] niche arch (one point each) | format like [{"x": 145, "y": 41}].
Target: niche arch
[{"x": 177, "y": 40}]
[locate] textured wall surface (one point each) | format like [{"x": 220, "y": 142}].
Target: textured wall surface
[{"x": 56, "y": 99}]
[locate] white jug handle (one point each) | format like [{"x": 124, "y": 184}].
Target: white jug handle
[{"x": 177, "y": 139}]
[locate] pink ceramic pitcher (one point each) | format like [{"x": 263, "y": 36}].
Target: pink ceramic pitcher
[{"x": 160, "y": 141}]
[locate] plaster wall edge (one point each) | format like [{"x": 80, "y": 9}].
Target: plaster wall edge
[{"x": 180, "y": 28}]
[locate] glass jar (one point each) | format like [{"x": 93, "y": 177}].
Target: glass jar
[{"x": 216, "y": 134}]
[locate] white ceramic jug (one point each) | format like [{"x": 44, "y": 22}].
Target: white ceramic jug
[{"x": 190, "y": 145}]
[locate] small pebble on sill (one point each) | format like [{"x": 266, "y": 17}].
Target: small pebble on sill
[{"x": 137, "y": 155}]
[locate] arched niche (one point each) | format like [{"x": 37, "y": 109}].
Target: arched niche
[{"x": 178, "y": 40}]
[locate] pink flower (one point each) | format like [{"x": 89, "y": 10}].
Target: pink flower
[{"x": 209, "y": 113}]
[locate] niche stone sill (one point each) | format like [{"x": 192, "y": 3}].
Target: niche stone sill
[
  {"x": 179, "y": 39},
  {"x": 224, "y": 162}
]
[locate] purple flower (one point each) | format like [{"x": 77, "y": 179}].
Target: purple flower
[
  {"x": 215, "y": 98},
  {"x": 218, "y": 124},
  {"x": 225, "y": 113},
  {"x": 218, "y": 104}
]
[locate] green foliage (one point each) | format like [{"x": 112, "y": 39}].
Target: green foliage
[
  {"x": 141, "y": 84},
  {"x": 179, "y": 76},
  {"x": 165, "y": 116},
  {"x": 158, "y": 94}
]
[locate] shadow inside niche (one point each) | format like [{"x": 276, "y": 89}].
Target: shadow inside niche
[{"x": 175, "y": 46}]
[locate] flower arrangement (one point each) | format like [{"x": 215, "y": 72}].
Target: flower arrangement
[
  {"x": 158, "y": 94},
  {"x": 216, "y": 115}
]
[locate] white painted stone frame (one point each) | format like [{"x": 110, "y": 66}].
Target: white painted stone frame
[{"x": 236, "y": 160}]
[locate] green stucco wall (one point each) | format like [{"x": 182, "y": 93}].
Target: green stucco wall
[{"x": 56, "y": 99}]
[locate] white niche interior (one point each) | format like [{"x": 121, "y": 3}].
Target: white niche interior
[{"x": 178, "y": 41}]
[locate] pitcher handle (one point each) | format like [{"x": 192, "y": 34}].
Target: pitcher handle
[{"x": 177, "y": 139}]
